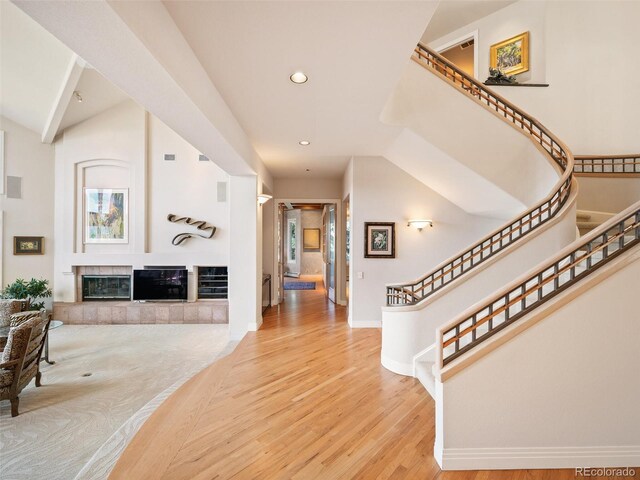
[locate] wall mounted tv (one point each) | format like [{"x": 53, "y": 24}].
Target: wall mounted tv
[{"x": 160, "y": 284}]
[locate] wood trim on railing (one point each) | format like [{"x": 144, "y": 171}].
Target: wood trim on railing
[
  {"x": 621, "y": 232},
  {"x": 621, "y": 166},
  {"x": 414, "y": 292}
]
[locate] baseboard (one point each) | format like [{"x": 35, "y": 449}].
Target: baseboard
[
  {"x": 255, "y": 326},
  {"x": 366, "y": 324},
  {"x": 397, "y": 367},
  {"x": 537, "y": 458}
]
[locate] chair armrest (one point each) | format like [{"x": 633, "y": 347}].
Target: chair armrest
[{"x": 9, "y": 364}]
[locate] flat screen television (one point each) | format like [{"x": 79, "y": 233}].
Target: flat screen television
[{"x": 160, "y": 284}]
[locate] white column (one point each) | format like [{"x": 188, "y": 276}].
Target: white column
[{"x": 245, "y": 254}]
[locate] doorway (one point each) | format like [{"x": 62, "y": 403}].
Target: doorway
[
  {"x": 462, "y": 52},
  {"x": 306, "y": 238}
]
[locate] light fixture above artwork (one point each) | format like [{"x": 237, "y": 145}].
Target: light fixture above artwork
[
  {"x": 419, "y": 224},
  {"x": 264, "y": 198}
]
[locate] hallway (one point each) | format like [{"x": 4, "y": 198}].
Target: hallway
[{"x": 303, "y": 398}]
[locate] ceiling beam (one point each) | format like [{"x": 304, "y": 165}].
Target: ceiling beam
[
  {"x": 60, "y": 104},
  {"x": 139, "y": 48}
]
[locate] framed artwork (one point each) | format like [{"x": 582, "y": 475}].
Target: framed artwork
[
  {"x": 106, "y": 215},
  {"x": 511, "y": 56},
  {"x": 311, "y": 239},
  {"x": 28, "y": 245},
  {"x": 379, "y": 240}
]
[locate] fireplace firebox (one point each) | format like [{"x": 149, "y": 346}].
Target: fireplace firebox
[{"x": 106, "y": 287}]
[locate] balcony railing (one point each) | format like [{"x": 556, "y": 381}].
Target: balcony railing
[{"x": 607, "y": 165}]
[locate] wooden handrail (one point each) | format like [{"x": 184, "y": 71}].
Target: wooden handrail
[
  {"x": 607, "y": 165},
  {"x": 556, "y": 151},
  {"x": 612, "y": 238}
]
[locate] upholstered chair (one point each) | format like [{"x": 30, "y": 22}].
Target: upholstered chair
[
  {"x": 20, "y": 360},
  {"x": 7, "y": 308}
]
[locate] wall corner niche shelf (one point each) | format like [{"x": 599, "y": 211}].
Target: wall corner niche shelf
[
  {"x": 213, "y": 283},
  {"x": 516, "y": 84}
]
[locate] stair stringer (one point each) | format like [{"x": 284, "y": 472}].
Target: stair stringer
[
  {"x": 408, "y": 330},
  {"x": 470, "y": 133},
  {"x": 557, "y": 389}
]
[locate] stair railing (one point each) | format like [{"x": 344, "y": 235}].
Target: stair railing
[
  {"x": 571, "y": 265},
  {"x": 550, "y": 145},
  {"x": 608, "y": 165}
]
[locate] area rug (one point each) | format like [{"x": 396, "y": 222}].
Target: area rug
[
  {"x": 103, "y": 375},
  {"x": 300, "y": 286}
]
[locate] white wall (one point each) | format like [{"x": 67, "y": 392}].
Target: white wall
[
  {"x": 505, "y": 164},
  {"x": 312, "y": 188},
  {"x": 513, "y": 20},
  {"x": 590, "y": 105},
  {"x": 607, "y": 194},
  {"x": 382, "y": 192},
  {"x": 123, "y": 147},
  {"x": 32, "y": 215},
  {"x": 563, "y": 393},
  {"x": 186, "y": 187},
  {"x": 311, "y": 261}
]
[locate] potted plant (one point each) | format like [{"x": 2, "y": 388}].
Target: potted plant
[
  {"x": 496, "y": 77},
  {"x": 32, "y": 290}
]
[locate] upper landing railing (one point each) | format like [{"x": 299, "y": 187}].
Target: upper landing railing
[
  {"x": 575, "y": 262},
  {"x": 550, "y": 145},
  {"x": 607, "y": 165}
]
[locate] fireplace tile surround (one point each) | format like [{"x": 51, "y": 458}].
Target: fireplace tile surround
[{"x": 126, "y": 312}]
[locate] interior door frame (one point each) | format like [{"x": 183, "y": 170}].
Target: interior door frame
[
  {"x": 473, "y": 35},
  {"x": 340, "y": 246}
]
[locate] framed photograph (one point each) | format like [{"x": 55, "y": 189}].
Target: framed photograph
[
  {"x": 311, "y": 239},
  {"x": 511, "y": 56},
  {"x": 379, "y": 240},
  {"x": 28, "y": 245},
  {"x": 106, "y": 215}
]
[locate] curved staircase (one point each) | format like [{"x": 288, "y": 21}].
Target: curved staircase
[
  {"x": 414, "y": 309},
  {"x": 515, "y": 370}
]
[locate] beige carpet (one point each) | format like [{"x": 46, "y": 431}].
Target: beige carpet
[{"x": 63, "y": 423}]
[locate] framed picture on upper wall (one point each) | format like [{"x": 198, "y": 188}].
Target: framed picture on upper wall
[
  {"x": 106, "y": 215},
  {"x": 380, "y": 240},
  {"x": 28, "y": 245},
  {"x": 511, "y": 56},
  {"x": 311, "y": 239}
]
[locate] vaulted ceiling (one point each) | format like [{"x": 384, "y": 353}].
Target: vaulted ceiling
[
  {"x": 34, "y": 72},
  {"x": 217, "y": 72}
]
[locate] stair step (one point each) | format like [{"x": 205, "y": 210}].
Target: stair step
[
  {"x": 583, "y": 217},
  {"x": 424, "y": 373}
]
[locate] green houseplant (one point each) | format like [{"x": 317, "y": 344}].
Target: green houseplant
[{"x": 32, "y": 290}]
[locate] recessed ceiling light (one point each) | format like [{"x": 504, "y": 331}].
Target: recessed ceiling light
[
  {"x": 304, "y": 143},
  {"x": 298, "y": 77}
]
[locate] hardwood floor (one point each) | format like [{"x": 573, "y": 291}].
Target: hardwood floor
[{"x": 303, "y": 398}]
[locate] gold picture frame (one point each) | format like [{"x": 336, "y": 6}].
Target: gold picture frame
[
  {"x": 511, "y": 56},
  {"x": 28, "y": 245},
  {"x": 311, "y": 239}
]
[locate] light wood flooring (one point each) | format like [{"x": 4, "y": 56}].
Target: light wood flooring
[{"x": 303, "y": 398}]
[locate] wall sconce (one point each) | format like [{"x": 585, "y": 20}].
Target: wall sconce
[
  {"x": 419, "y": 224},
  {"x": 263, "y": 198}
]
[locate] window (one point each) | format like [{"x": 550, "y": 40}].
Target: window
[{"x": 291, "y": 250}]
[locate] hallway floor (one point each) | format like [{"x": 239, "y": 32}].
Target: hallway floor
[{"x": 304, "y": 398}]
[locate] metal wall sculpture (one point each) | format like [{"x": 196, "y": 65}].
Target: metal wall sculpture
[{"x": 199, "y": 224}]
